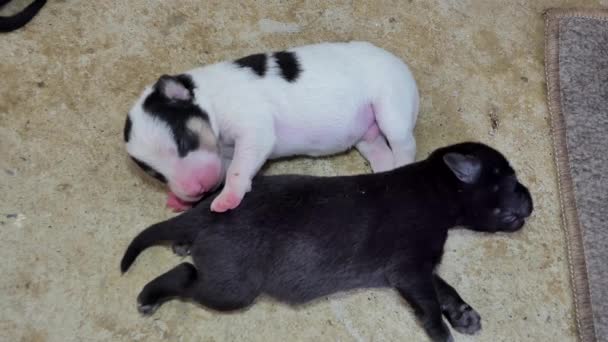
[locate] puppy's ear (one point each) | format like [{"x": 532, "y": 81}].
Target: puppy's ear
[
  {"x": 466, "y": 168},
  {"x": 173, "y": 88}
]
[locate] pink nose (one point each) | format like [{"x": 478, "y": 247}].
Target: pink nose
[{"x": 193, "y": 189}]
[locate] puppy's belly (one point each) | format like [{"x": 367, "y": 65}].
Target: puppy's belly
[
  {"x": 335, "y": 133},
  {"x": 307, "y": 286}
]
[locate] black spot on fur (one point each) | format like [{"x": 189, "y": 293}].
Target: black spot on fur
[
  {"x": 176, "y": 113},
  {"x": 149, "y": 170},
  {"x": 257, "y": 63},
  {"x": 289, "y": 65},
  {"x": 127, "y": 130}
]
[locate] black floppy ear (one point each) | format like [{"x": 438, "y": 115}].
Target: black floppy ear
[
  {"x": 466, "y": 168},
  {"x": 173, "y": 88}
]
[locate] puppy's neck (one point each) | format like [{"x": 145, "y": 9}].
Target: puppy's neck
[{"x": 438, "y": 187}]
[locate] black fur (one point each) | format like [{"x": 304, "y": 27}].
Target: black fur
[
  {"x": 127, "y": 130},
  {"x": 289, "y": 65},
  {"x": 15, "y": 22},
  {"x": 257, "y": 63},
  {"x": 298, "y": 238},
  {"x": 176, "y": 112}
]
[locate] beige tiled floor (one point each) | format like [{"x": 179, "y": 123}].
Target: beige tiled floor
[{"x": 71, "y": 201}]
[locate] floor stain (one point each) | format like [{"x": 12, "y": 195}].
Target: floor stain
[
  {"x": 494, "y": 119},
  {"x": 34, "y": 335}
]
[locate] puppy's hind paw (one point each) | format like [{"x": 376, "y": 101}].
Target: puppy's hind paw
[
  {"x": 181, "y": 249},
  {"x": 147, "y": 309},
  {"x": 464, "y": 319}
]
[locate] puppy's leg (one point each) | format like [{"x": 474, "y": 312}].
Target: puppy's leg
[
  {"x": 224, "y": 295},
  {"x": 226, "y": 283},
  {"x": 373, "y": 147},
  {"x": 461, "y": 315},
  {"x": 396, "y": 116},
  {"x": 250, "y": 153},
  {"x": 418, "y": 290},
  {"x": 173, "y": 283}
]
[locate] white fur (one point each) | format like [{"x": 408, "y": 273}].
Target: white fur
[{"x": 343, "y": 90}]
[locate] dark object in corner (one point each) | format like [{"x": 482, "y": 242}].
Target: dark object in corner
[{"x": 17, "y": 21}]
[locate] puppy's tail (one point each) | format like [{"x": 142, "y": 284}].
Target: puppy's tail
[
  {"x": 12, "y": 23},
  {"x": 178, "y": 229}
]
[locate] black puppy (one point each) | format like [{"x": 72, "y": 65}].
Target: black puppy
[{"x": 298, "y": 238}]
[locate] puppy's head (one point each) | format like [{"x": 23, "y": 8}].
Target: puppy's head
[
  {"x": 486, "y": 185},
  {"x": 170, "y": 137}
]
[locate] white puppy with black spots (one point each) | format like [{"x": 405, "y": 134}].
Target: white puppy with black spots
[{"x": 221, "y": 122}]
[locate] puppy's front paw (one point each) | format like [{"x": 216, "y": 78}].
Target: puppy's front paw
[
  {"x": 225, "y": 201},
  {"x": 464, "y": 319}
]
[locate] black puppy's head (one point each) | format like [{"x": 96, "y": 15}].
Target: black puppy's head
[{"x": 487, "y": 187}]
